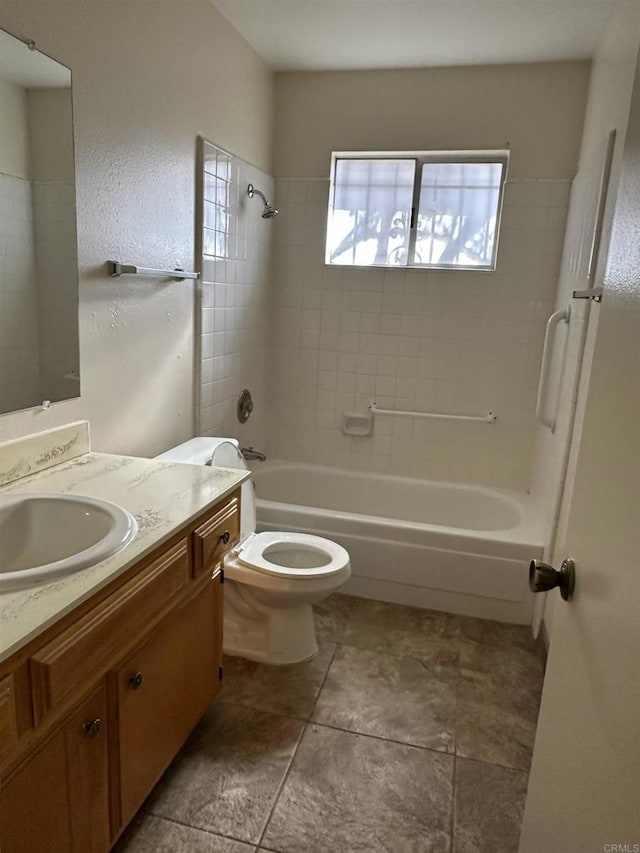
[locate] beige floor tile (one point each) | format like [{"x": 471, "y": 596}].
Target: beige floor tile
[
  {"x": 489, "y": 805},
  {"x": 484, "y": 644},
  {"x": 289, "y": 690},
  {"x": 226, "y": 777},
  {"x": 496, "y": 717},
  {"x": 149, "y": 834},
  {"x": 397, "y": 698},
  {"x": 331, "y": 617},
  {"x": 399, "y": 630},
  {"x": 347, "y": 792}
]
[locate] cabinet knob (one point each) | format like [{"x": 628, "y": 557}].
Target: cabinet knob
[
  {"x": 92, "y": 727},
  {"x": 136, "y": 680},
  {"x": 224, "y": 538}
]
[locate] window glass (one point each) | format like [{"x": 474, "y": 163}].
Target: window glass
[
  {"x": 217, "y": 199},
  {"x": 457, "y": 214},
  {"x": 369, "y": 219}
]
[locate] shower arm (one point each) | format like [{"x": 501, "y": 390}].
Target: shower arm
[{"x": 251, "y": 191}]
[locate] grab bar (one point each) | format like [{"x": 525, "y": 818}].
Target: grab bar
[
  {"x": 554, "y": 320},
  {"x": 116, "y": 268},
  {"x": 487, "y": 419}
]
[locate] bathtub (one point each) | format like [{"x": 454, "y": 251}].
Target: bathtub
[{"x": 455, "y": 547}]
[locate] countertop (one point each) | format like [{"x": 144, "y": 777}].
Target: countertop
[{"x": 163, "y": 496}]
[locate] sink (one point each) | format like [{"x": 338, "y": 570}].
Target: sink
[{"x": 45, "y": 536}]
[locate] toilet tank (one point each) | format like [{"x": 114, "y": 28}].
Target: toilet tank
[{"x": 219, "y": 453}]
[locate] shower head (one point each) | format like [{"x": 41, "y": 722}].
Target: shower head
[{"x": 269, "y": 210}]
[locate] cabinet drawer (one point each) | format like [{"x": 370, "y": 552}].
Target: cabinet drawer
[
  {"x": 68, "y": 661},
  {"x": 162, "y": 691},
  {"x": 213, "y": 538}
]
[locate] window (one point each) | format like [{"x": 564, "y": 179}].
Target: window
[
  {"x": 218, "y": 191},
  {"x": 437, "y": 209}
]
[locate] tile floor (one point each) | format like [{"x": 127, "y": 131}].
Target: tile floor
[{"x": 410, "y": 731}]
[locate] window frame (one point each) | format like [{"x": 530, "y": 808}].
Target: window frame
[{"x": 420, "y": 159}]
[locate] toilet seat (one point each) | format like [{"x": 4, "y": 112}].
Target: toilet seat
[
  {"x": 291, "y": 555},
  {"x": 274, "y": 578}
]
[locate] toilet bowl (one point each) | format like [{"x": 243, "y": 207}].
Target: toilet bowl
[{"x": 271, "y": 578}]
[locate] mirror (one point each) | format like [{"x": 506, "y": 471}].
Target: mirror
[{"x": 39, "y": 352}]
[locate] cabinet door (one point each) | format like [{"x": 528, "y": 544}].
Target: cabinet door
[
  {"x": 59, "y": 799},
  {"x": 87, "y": 753},
  {"x": 162, "y": 691}
]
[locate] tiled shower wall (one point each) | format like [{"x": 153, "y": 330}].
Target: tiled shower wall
[
  {"x": 443, "y": 341},
  {"x": 235, "y": 268}
]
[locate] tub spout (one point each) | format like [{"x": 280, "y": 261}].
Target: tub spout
[{"x": 250, "y": 453}]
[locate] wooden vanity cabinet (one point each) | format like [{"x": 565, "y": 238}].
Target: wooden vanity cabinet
[{"x": 94, "y": 710}]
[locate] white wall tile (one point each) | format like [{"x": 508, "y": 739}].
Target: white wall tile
[
  {"x": 235, "y": 305},
  {"x": 415, "y": 339}
]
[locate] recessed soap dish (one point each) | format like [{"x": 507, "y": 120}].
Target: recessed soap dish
[{"x": 355, "y": 424}]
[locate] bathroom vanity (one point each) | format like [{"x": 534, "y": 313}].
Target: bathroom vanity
[{"x": 105, "y": 673}]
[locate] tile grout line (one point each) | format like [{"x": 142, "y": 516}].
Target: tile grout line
[
  {"x": 281, "y": 786},
  {"x": 493, "y": 764},
  {"x": 455, "y": 760},
  {"x": 293, "y": 754},
  {"x": 269, "y": 711},
  {"x": 195, "y": 828},
  {"x": 324, "y": 725},
  {"x": 453, "y": 803},
  {"x": 322, "y": 683}
]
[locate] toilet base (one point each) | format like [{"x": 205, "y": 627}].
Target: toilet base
[{"x": 273, "y": 635}]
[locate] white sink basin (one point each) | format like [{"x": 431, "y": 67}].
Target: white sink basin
[{"x": 43, "y": 537}]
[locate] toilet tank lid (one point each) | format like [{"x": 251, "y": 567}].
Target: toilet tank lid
[
  {"x": 227, "y": 455},
  {"x": 196, "y": 451}
]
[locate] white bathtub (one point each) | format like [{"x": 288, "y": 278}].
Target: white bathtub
[{"x": 455, "y": 547}]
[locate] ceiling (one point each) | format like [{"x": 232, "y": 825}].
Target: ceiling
[{"x": 351, "y": 34}]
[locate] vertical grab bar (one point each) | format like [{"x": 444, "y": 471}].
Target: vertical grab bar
[{"x": 547, "y": 353}]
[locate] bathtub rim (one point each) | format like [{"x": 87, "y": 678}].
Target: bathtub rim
[{"x": 513, "y": 541}]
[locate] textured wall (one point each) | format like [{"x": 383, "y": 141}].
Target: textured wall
[
  {"x": 537, "y": 108},
  {"x": 179, "y": 69}
]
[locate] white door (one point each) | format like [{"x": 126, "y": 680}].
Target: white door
[{"x": 584, "y": 788}]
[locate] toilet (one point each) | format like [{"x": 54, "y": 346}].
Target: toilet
[{"x": 271, "y": 578}]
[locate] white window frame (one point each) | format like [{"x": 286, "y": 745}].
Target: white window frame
[{"x": 420, "y": 158}]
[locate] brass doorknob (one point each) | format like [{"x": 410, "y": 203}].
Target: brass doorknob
[{"x": 543, "y": 577}]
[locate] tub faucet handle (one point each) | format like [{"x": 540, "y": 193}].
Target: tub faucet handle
[{"x": 251, "y": 453}]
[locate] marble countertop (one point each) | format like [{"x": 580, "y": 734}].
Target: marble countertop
[{"x": 163, "y": 496}]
